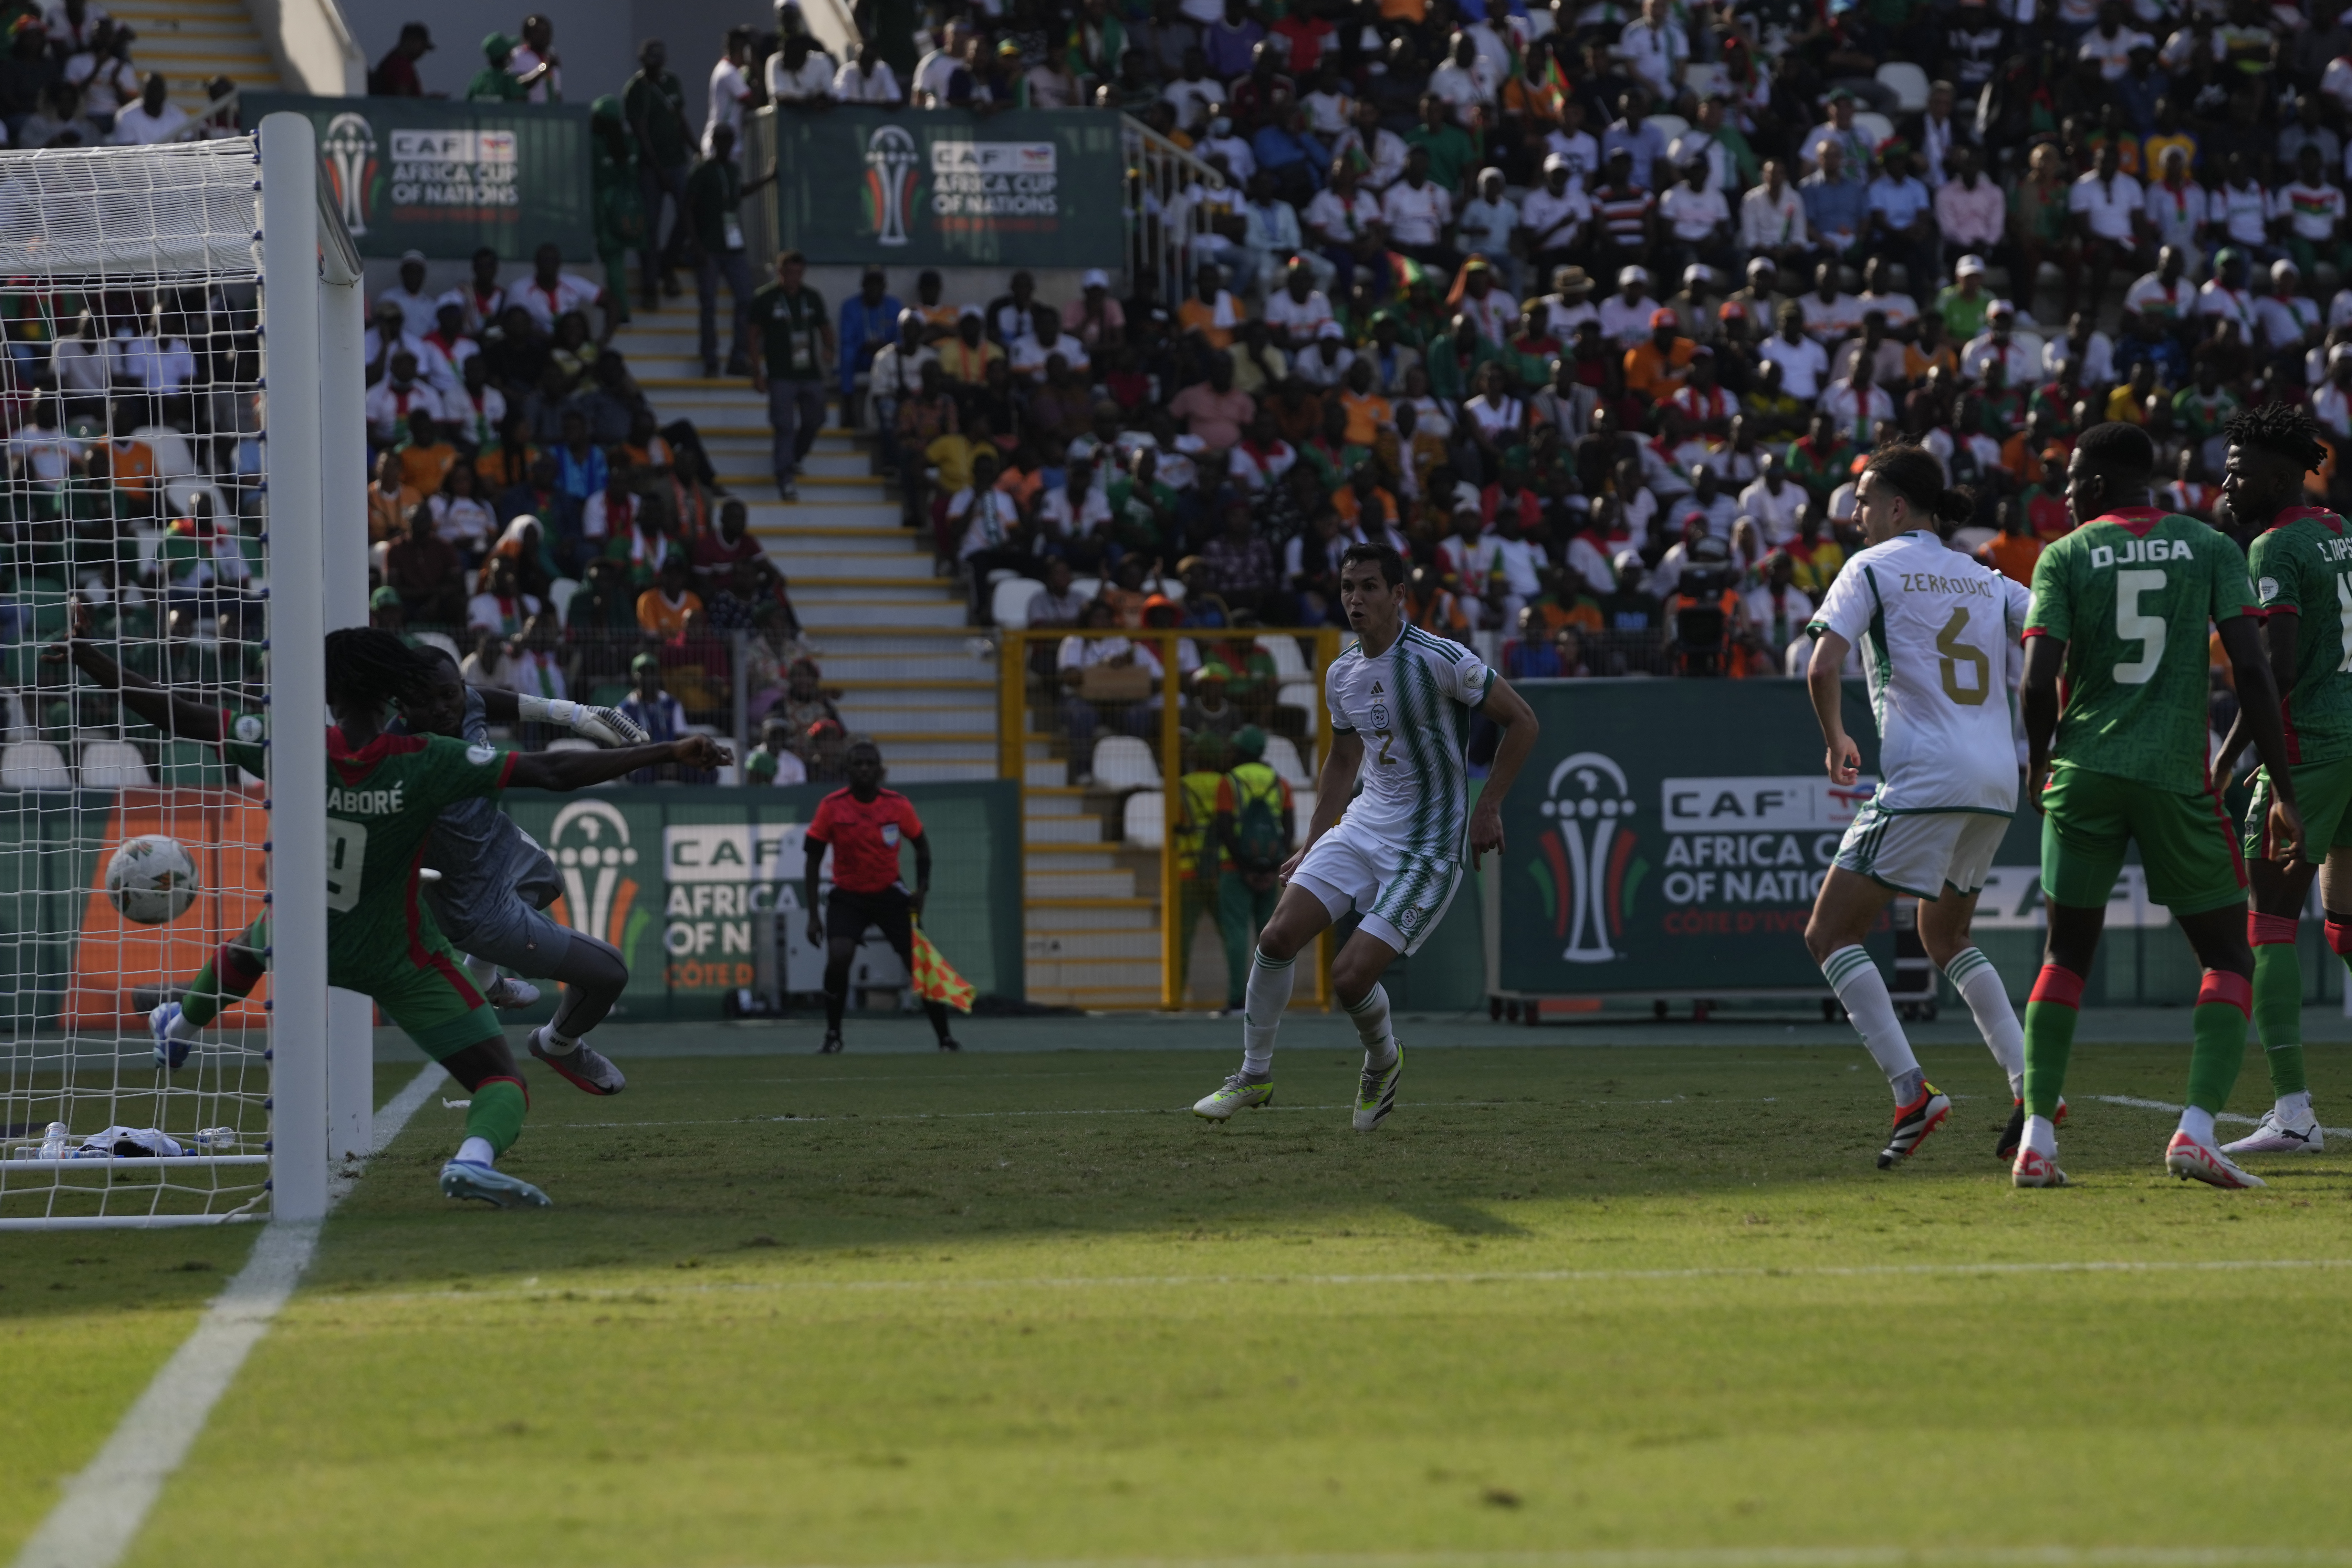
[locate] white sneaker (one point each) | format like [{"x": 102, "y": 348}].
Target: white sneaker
[
  {"x": 583, "y": 1066},
  {"x": 2277, "y": 1137},
  {"x": 507, "y": 993},
  {"x": 462, "y": 1179},
  {"x": 1376, "y": 1094},
  {"x": 2192, "y": 1161},
  {"x": 1234, "y": 1094}
]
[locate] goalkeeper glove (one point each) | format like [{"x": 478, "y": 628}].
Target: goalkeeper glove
[{"x": 607, "y": 726}]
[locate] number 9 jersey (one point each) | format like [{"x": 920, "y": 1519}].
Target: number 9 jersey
[
  {"x": 2131, "y": 594},
  {"x": 1934, "y": 630}
]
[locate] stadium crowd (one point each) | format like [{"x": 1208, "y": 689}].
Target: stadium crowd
[{"x": 1591, "y": 309}]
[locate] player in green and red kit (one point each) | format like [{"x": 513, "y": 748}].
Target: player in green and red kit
[
  {"x": 2301, "y": 568},
  {"x": 384, "y": 793},
  {"x": 2119, "y": 617}
]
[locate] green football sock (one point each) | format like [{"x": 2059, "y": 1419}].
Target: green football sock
[
  {"x": 2051, "y": 1012},
  {"x": 2278, "y": 1015},
  {"x": 231, "y": 976},
  {"x": 495, "y": 1115},
  {"x": 2223, "y": 1004}
]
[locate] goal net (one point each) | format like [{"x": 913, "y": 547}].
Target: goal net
[{"x": 133, "y": 508}]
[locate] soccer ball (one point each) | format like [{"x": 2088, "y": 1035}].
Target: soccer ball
[{"x": 151, "y": 879}]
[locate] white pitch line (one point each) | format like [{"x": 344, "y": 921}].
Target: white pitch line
[
  {"x": 1764, "y": 1557},
  {"x": 989, "y": 1115},
  {"x": 2230, "y": 1116},
  {"x": 104, "y": 1506}
]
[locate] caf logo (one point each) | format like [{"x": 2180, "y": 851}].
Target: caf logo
[
  {"x": 892, "y": 161},
  {"x": 348, "y": 149}
]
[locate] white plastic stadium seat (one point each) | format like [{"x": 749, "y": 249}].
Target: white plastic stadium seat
[
  {"x": 1670, "y": 126},
  {"x": 1144, "y": 816},
  {"x": 113, "y": 765},
  {"x": 560, "y": 592},
  {"x": 441, "y": 640},
  {"x": 1299, "y": 695},
  {"x": 1289, "y": 664},
  {"x": 1172, "y": 589},
  {"x": 1283, "y": 758},
  {"x": 1083, "y": 589},
  {"x": 1876, "y": 127},
  {"x": 180, "y": 496},
  {"x": 1704, "y": 80},
  {"x": 34, "y": 765},
  {"x": 1123, "y": 762},
  {"x": 173, "y": 459},
  {"x": 1907, "y": 82},
  {"x": 1009, "y": 606}
]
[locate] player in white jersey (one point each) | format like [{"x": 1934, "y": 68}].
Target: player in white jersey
[
  {"x": 1401, "y": 701},
  {"x": 1937, "y": 630}
]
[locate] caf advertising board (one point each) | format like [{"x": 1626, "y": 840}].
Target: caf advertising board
[{"x": 943, "y": 188}]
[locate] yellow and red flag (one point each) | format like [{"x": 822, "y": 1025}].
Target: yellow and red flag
[{"x": 935, "y": 981}]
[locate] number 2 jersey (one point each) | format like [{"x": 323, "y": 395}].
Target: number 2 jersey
[
  {"x": 382, "y": 803},
  {"x": 2303, "y": 564},
  {"x": 1411, "y": 706},
  {"x": 1934, "y": 630},
  {"x": 2131, "y": 594}
]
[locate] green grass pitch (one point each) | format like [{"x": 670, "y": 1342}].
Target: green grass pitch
[{"x": 1571, "y": 1303}]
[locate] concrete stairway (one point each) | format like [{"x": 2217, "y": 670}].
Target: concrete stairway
[
  {"x": 896, "y": 645},
  {"x": 193, "y": 41},
  {"x": 893, "y": 636}
]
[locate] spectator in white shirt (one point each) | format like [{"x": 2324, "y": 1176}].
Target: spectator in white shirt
[
  {"x": 1777, "y": 505},
  {"x": 1417, "y": 210},
  {"x": 2242, "y": 207},
  {"x": 1772, "y": 218},
  {"x": 730, "y": 90},
  {"x": 550, "y": 294},
  {"x": 153, "y": 119},
  {"x": 2309, "y": 209},
  {"x": 391, "y": 399},
  {"x": 1298, "y": 309},
  {"x": 417, "y": 306},
  {"x": 1698, "y": 217},
  {"x": 1999, "y": 342},
  {"x": 869, "y": 78},
  {"x": 1487, "y": 225},
  {"x": 2111, "y": 42},
  {"x": 1193, "y": 94},
  {"x": 1655, "y": 48},
  {"x": 1902, "y": 222},
  {"x": 1554, "y": 216},
  {"x": 2108, "y": 208},
  {"x": 2177, "y": 206},
  {"x": 1804, "y": 363},
  {"x": 2163, "y": 299}
]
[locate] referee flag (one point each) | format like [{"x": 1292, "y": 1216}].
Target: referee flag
[{"x": 935, "y": 981}]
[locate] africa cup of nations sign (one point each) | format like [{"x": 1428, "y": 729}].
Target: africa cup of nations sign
[
  {"x": 1039, "y": 188},
  {"x": 448, "y": 178},
  {"x": 1639, "y": 863}
]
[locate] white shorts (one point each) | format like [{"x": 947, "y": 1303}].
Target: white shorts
[
  {"x": 1400, "y": 896},
  {"x": 1922, "y": 852}
]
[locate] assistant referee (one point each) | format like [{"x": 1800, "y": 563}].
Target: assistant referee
[{"x": 863, "y": 825}]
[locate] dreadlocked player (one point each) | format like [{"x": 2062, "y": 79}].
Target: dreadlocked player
[
  {"x": 385, "y": 794},
  {"x": 2302, "y": 566}
]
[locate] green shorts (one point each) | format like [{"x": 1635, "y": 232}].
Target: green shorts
[
  {"x": 422, "y": 990},
  {"x": 2185, "y": 843},
  {"x": 2322, "y": 794}
]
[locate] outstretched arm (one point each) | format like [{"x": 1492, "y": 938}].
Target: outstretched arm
[
  {"x": 157, "y": 705},
  {"x": 567, "y": 770},
  {"x": 605, "y": 726},
  {"x": 1518, "y": 721}
]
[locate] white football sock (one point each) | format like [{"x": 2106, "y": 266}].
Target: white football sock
[
  {"x": 1973, "y": 976},
  {"x": 2198, "y": 1124},
  {"x": 1859, "y": 985},
  {"x": 485, "y": 971},
  {"x": 477, "y": 1152},
  {"x": 2041, "y": 1136},
  {"x": 181, "y": 1029},
  {"x": 2294, "y": 1107},
  {"x": 553, "y": 1043},
  {"x": 1372, "y": 1016},
  {"x": 1262, "y": 1008}
]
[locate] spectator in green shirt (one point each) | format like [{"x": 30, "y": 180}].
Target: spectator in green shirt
[
  {"x": 493, "y": 83},
  {"x": 1451, "y": 151},
  {"x": 613, "y": 185},
  {"x": 654, "y": 105}
]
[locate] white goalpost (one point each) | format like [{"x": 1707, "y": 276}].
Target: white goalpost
[{"x": 186, "y": 483}]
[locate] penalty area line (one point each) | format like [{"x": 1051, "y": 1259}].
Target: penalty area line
[
  {"x": 2169, "y": 1109},
  {"x": 103, "y": 1508}
]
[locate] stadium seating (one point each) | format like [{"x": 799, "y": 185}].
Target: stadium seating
[
  {"x": 113, "y": 765},
  {"x": 1123, "y": 762},
  {"x": 1144, "y": 817},
  {"x": 34, "y": 765}
]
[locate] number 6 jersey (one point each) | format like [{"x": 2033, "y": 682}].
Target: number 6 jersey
[
  {"x": 2131, "y": 595},
  {"x": 1934, "y": 629}
]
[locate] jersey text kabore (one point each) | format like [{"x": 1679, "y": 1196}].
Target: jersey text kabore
[
  {"x": 382, "y": 801},
  {"x": 1934, "y": 629},
  {"x": 2131, "y": 594},
  {"x": 1412, "y": 707},
  {"x": 2302, "y": 564}
]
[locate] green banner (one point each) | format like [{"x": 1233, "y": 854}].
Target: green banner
[
  {"x": 686, "y": 881},
  {"x": 447, "y": 178},
  {"x": 944, "y": 188}
]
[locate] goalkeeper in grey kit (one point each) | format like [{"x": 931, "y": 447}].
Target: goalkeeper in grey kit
[{"x": 495, "y": 882}]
